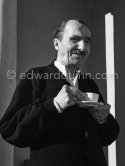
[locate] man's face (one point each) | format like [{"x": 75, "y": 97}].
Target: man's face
[{"x": 74, "y": 47}]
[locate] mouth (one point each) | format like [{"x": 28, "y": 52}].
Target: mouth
[
  {"x": 77, "y": 58},
  {"x": 79, "y": 54}
]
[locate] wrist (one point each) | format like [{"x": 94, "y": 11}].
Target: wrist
[{"x": 58, "y": 107}]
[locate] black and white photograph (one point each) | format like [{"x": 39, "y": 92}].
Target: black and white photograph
[{"x": 62, "y": 93}]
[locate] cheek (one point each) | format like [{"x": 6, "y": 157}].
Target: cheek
[
  {"x": 62, "y": 49},
  {"x": 66, "y": 48},
  {"x": 71, "y": 48}
]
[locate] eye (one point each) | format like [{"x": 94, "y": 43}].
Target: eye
[{"x": 74, "y": 39}]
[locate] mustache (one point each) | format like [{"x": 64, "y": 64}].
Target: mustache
[{"x": 79, "y": 52}]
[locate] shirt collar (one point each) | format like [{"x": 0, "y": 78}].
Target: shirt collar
[
  {"x": 61, "y": 67},
  {"x": 73, "y": 80}
]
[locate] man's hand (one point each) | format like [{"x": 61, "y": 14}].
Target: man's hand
[
  {"x": 68, "y": 96},
  {"x": 100, "y": 113}
]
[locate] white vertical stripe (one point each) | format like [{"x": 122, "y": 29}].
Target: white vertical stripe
[{"x": 109, "y": 31}]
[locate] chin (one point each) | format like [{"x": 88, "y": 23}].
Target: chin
[{"x": 77, "y": 63}]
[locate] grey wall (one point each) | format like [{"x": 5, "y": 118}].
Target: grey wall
[
  {"x": 36, "y": 21},
  {"x": 7, "y": 62}
]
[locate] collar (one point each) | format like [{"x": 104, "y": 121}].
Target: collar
[
  {"x": 61, "y": 67},
  {"x": 73, "y": 80}
]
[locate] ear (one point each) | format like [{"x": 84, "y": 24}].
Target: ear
[{"x": 56, "y": 44}]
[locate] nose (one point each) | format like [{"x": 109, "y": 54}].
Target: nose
[{"x": 81, "y": 45}]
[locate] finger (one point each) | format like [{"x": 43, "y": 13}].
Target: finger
[
  {"x": 71, "y": 103},
  {"x": 79, "y": 94},
  {"x": 75, "y": 92},
  {"x": 101, "y": 111},
  {"x": 66, "y": 87},
  {"x": 85, "y": 97},
  {"x": 98, "y": 117},
  {"x": 74, "y": 98},
  {"x": 103, "y": 107},
  {"x": 107, "y": 106},
  {"x": 102, "y": 114}
]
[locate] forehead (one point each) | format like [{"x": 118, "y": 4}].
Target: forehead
[{"x": 75, "y": 28}]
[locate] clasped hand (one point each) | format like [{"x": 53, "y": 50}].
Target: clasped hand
[{"x": 68, "y": 96}]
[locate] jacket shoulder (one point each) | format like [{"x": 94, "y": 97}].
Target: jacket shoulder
[{"x": 38, "y": 69}]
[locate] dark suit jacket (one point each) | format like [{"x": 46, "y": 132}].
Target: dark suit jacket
[{"x": 71, "y": 138}]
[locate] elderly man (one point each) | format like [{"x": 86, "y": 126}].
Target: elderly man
[{"x": 47, "y": 113}]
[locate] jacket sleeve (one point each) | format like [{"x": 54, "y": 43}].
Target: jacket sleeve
[
  {"x": 108, "y": 131},
  {"x": 25, "y": 116}
]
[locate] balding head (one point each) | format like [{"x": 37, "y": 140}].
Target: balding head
[{"x": 58, "y": 33}]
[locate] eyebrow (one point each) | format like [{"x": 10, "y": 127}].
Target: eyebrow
[{"x": 80, "y": 37}]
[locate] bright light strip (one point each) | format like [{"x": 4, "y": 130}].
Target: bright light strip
[{"x": 109, "y": 32}]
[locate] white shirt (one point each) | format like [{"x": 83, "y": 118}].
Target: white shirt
[{"x": 73, "y": 80}]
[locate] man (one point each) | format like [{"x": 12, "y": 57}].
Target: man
[{"x": 45, "y": 113}]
